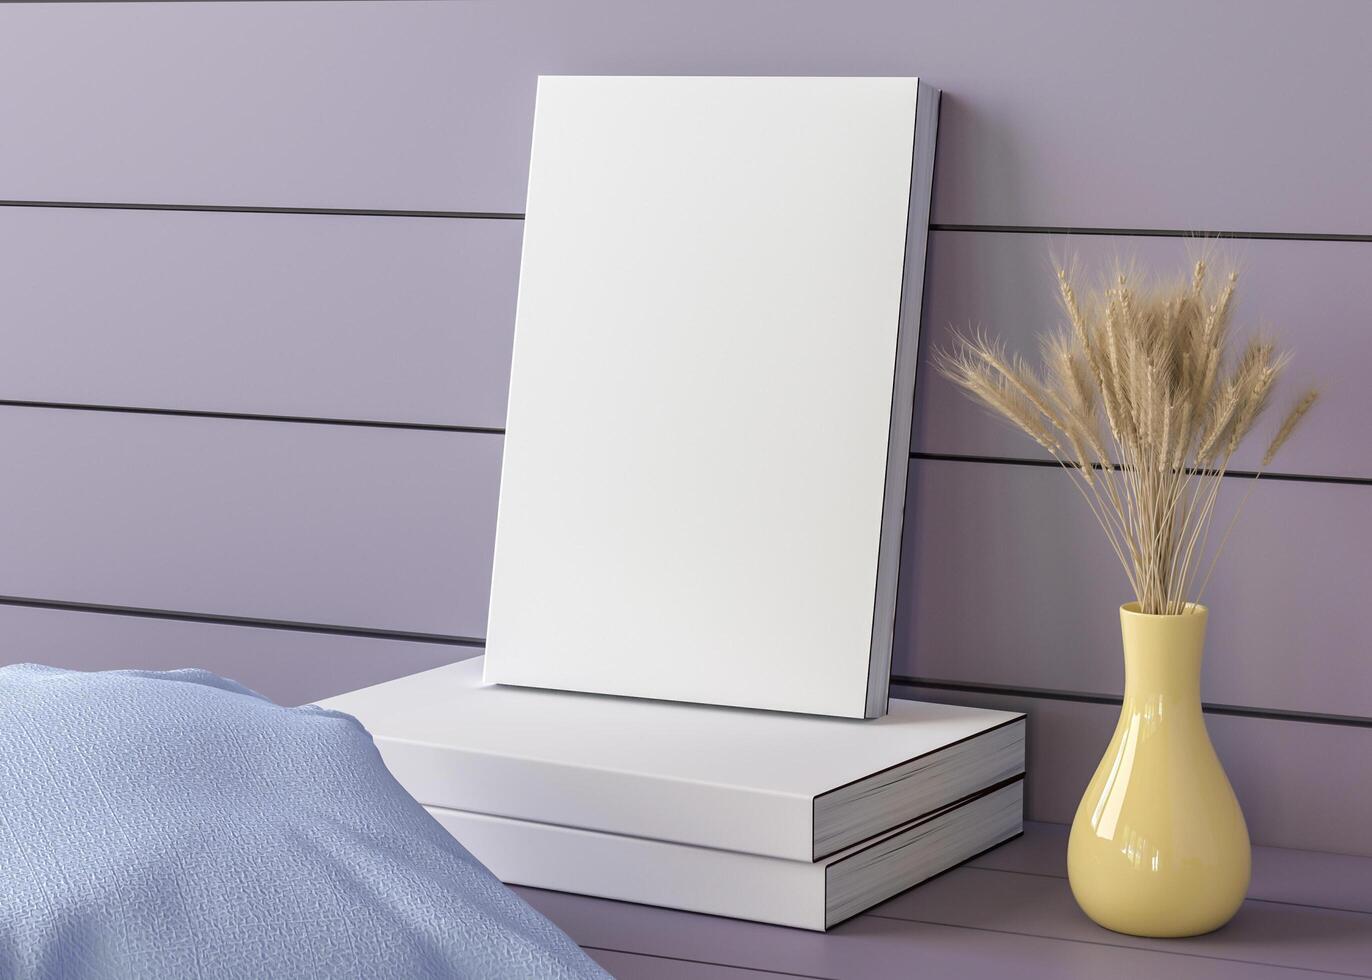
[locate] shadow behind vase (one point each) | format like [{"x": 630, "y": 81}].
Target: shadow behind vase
[{"x": 1159, "y": 846}]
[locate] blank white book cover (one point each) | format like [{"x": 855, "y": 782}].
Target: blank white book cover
[{"x": 708, "y": 428}]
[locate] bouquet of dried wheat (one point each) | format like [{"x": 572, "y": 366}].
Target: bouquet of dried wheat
[{"x": 1153, "y": 363}]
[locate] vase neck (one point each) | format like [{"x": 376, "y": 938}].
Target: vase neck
[{"x": 1162, "y": 657}]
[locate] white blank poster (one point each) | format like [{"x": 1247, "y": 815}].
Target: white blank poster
[{"x": 709, "y": 413}]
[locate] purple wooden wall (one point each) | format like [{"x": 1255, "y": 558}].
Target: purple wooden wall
[{"x": 251, "y": 414}]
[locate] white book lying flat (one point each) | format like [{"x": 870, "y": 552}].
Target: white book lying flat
[
  {"x": 808, "y": 895},
  {"x": 791, "y": 786}
]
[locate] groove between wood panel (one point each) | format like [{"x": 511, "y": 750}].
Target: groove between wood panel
[
  {"x": 1054, "y": 464},
  {"x": 1310, "y": 717},
  {"x": 899, "y": 680},
  {"x": 251, "y": 416},
  {"x": 982, "y": 897},
  {"x": 288, "y": 667},
  {"x": 1328, "y": 880},
  {"x": 1120, "y": 945},
  {"x": 218, "y": 1},
  {"x": 728, "y": 966},
  {"x": 255, "y": 209},
  {"x": 899, "y": 943},
  {"x": 1286, "y": 236},
  {"x": 1249, "y": 898},
  {"x": 274, "y": 624},
  {"x": 494, "y": 430}
]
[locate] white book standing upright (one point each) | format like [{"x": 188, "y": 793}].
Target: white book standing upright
[{"x": 709, "y": 418}]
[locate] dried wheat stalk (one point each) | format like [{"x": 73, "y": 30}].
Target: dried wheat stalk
[{"x": 1143, "y": 404}]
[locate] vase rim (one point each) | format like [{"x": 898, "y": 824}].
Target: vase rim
[{"x": 1189, "y": 609}]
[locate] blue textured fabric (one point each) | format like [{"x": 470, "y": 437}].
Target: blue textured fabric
[{"x": 177, "y": 825}]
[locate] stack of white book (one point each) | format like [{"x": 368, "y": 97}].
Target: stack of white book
[{"x": 783, "y": 818}]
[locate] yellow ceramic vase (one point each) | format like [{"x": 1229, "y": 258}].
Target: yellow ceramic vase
[{"x": 1159, "y": 846}]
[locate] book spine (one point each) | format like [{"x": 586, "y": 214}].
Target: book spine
[
  {"x": 701, "y": 814},
  {"x": 650, "y": 872},
  {"x": 902, "y": 400},
  {"x": 920, "y": 786}
]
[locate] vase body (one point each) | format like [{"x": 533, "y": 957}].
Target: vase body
[{"x": 1159, "y": 846}]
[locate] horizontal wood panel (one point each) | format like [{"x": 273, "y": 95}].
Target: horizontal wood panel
[
  {"x": 394, "y": 319},
  {"x": 874, "y": 947},
  {"x": 638, "y": 966},
  {"x": 1007, "y": 579},
  {"x": 297, "y": 104},
  {"x": 1261, "y": 933},
  {"x": 977, "y": 921},
  {"x": 1280, "y": 874},
  {"x": 428, "y": 105},
  {"x": 1301, "y": 785},
  {"x": 287, "y": 666},
  {"x": 1313, "y": 297},
  {"x": 326, "y": 524}
]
